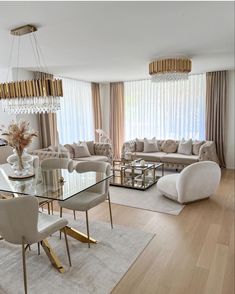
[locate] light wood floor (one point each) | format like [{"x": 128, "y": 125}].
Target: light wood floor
[{"x": 192, "y": 253}]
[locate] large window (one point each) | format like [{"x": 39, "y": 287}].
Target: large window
[
  {"x": 75, "y": 119},
  {"x": 166, "y": 110}
]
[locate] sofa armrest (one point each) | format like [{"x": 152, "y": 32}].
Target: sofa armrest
[
  {"x": 208, "y": 152},
  {"x": 45, "y": 154},
  {"x": 128, "y": 146},
  {"x": 104, "y": 149}
]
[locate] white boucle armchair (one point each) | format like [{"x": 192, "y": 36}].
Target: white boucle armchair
[{"x": 197, "y": 181}]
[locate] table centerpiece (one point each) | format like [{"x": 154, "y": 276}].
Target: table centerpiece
[{"x": 19, "y": 136}]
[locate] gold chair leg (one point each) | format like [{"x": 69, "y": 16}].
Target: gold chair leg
[
  {"x": 38, "y": 248},
  {"x": 61, "y": 212},
  {"x": 87, "y": 228},
  {"x": 67, "y": 246},
  {"x": 52, "y": 207},
  {"x": 24, "y": 265},
  {"x": 74, "y": 215},
  {"x": 110, "y": 211},
  {"x": 52, "y": 256},
  {"x": 48, "y": 207},
  {"x": 27, "y": 247}
]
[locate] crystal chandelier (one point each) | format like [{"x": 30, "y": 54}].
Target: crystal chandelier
[
  {"x": 38, "y": 95},
  {"x": 170, "y": 69}
]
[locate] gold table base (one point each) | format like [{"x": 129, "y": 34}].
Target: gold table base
[
  {"x": 79, "y": 235},
  {"x": 52, "y": 256}
]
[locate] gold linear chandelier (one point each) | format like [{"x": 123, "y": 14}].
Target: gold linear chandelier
[
  {"x": 38, "y": 95},
  {"x": 170, "y": 69}
]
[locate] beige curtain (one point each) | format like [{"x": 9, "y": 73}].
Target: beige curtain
[
  {"x": 216, "y": 91},
  {"x": 117, "y": 117},
  {"x": 48, "y": 134},
  {"x": 95, "y": 89}
]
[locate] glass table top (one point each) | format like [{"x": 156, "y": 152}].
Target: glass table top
[{"x": 46, "y": 183}]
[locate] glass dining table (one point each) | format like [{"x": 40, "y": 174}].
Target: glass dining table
[{"x": 54, "y": 184}]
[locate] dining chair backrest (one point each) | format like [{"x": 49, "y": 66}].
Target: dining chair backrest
[
  {"x": 19, "y": 218},
  {"x": 96, "y": 166},
  {"x": 57, "y": 163}
]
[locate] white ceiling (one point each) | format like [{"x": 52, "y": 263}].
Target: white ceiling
[{"x": 111, "y": 41}]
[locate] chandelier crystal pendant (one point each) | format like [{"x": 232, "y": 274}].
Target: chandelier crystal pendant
[
  {"x": 38, "y": 95},
  {"x": 170, "y": 69}
]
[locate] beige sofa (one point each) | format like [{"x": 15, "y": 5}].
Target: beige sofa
[
  {"x": 174, "y": 160},
  {"x": 99, "y": 152}
]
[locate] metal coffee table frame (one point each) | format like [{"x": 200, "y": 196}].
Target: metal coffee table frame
[{"x": 138, "y": 177}]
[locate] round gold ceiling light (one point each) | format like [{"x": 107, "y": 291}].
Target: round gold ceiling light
[{"x": 170, "y": 69}]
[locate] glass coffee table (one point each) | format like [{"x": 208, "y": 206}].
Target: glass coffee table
[{"x": 133, "y": 175}]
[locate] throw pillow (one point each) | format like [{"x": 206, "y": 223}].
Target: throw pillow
[
  {"x": 196, "y": 146},
  {"x": 139, "y": 145},
  {"x": 70, "y": 149},
  {"x": 81, "y": 150},
  {"x": 59, "y": 148},
  {"x": 150, "y": 145},
  {"x": 50, "y": 148},
  {"x": 185, "y": 147},
  {"x": 169, "y": 146},
  {"x": 90, "y": 145}
]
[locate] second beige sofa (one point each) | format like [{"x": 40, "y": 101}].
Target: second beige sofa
[{"x": 207, "y": 151}]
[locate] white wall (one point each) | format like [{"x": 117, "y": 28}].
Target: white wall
[
  {"x": 105, "y": 105},
  {"x": 229, "y": 131}
]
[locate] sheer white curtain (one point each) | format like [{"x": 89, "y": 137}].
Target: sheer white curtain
[
  {"x": 75, "y": 119},
  {"x": 166, "y": 110}
]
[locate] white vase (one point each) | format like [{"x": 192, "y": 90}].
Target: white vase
[{"x": 20, "y": 164}]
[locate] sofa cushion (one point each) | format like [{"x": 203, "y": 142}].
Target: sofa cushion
[
  {"x": 139, "y": 145},
  {"x": 179, "y": 158},
  {"x": 58, "y": 148},
  {"x": 70, "y": 149},
  {"x": 185, "y": 147},
  {"x": 153, "y": 156},
  {"x": 90, "y": 145},
  {"x": 196, "y": 146},
  {"x": 167, "y": 186},
  {"x": 150, "y": 145},
  {"x": 92, "y": 158},
  {"x": 81, "y": 150},
  {"x": 169, "y": 146}
]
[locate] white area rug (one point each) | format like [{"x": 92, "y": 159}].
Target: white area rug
[
  {"x": 94, "y": 270},
  {"x": 149, "y": 199}
]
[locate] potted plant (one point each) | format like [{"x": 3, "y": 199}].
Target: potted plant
[{"x": 18, "y": 135}]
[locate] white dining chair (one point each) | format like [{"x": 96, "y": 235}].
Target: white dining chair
[
  {"x": 20, "y": 223},
  {"x": 93, "y": 196},
  {"x": 54, "y": 163}
]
